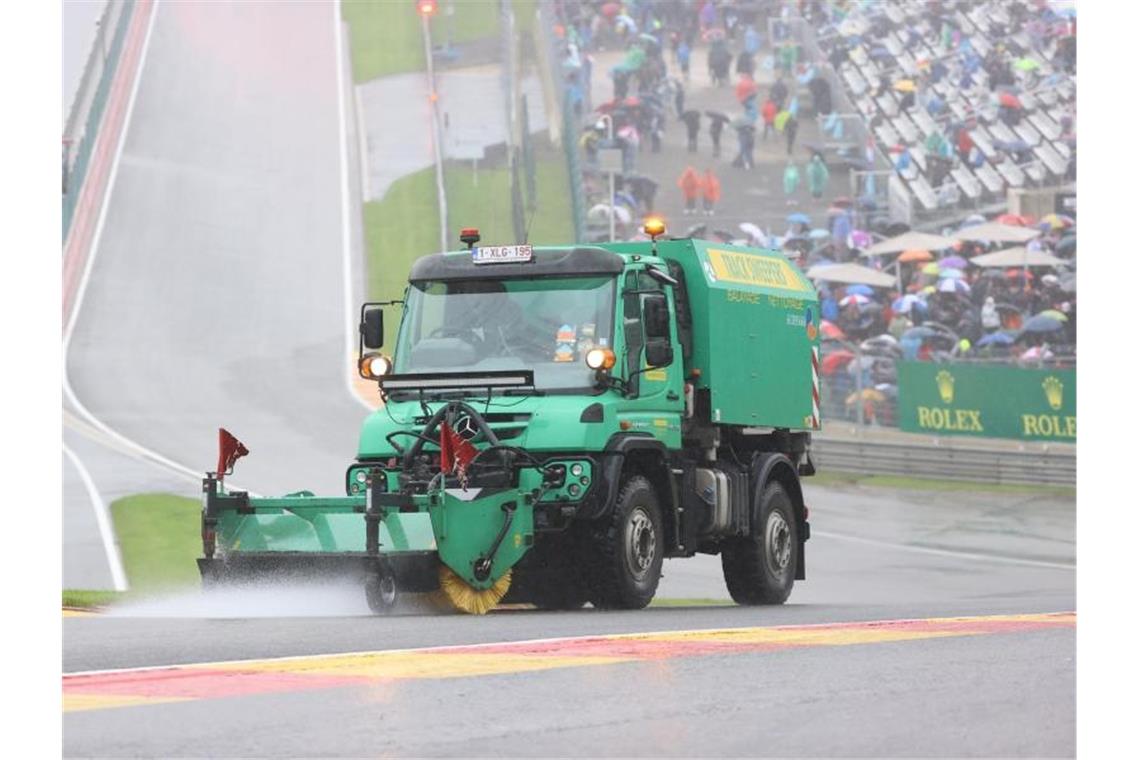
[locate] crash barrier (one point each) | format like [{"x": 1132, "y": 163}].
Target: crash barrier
[
  {"x": 86, "y": 112},
  {"x": 990, "y": 398},
  {"x": 929, "y": 460}
]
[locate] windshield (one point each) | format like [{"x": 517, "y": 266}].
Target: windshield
[{"x": 544, "y": 325}]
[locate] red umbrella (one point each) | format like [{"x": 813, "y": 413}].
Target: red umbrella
[
  {"x": 1009, "y": 100},
  {"x": 609, "y": 10},
  {"x": 745, "y": 88},
  {"x": 834, "y": 362},
  {"x": 1015, "y": 219},
  {"x": 831, "y": 330}
]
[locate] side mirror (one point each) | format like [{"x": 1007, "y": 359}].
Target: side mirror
[
  {"x": 372, "y": 328},
  {"x": 659, "y": 352}
]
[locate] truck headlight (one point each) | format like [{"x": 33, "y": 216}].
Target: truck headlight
[
  {"x": 600, "y": 358},
  {"x": 375, "y": 366}
]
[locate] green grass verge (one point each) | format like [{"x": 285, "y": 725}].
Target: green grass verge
[
  {"x": 86, "y": 599},
  {"x": 832, "y": 478},
  {"x": 385, "y": 36},
  {"x": 692, "y": 603},
  {"x": 159, "y": 540}
]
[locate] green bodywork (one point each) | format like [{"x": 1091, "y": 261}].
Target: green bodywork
[{"x": 753, "y": 329}]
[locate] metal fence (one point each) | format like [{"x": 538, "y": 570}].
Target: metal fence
[{"x": 86, "y": 112}]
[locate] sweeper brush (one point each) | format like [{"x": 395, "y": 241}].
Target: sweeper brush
[{"x": 471, "y": 600}]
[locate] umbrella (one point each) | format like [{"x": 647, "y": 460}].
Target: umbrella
[
  {"x": 1054, "y": 314},
  {"x": 609, "y": 10},
  {"x": 854, "y": 299},
  {"x": 931, "y": 268},
  {"x": 915, "y": 254},
  {"x": 1055, "y": 221},
  {"x": 1009, "y": 100},
  {"x": 852, "y": 274},
  {"x": 953, "y": 286},
  {"x": 799, "y": 218},
  {"x": 951, "y": 274},
  {"x": 905, "y": 85},
  {"x": 859, "y": 289},
  {"x": 996, "y": 339},
  {"x": 602, "y": 211},
  {"x": 972, "y": 220},
  {"x": 1041, "y": 324},
  {"x": 1019, "y": 256},
  {"x": 860, "y": 238},
  {"x": 696, "y": 231},
  {"x": 752, "y": 231},
  {"x": 1016, "y": 220},
  {"x": 724, "y": 235},
  {"x": 819, "y": 234},
  {"x": 835, "y": 361},
  {"x": 998, "y": 233},
  {"x": 718, "y": 116},
  {"x": 904, "y": 304},
  {"x": 909, "y": 240},
  {"x": 1069, "y": 283},
  {"x": 953, "y": 262},
  {"x": 831, "y": 330},
  {"x": 1026, "y": 64}
]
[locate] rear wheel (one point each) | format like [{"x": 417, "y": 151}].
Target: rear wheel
[
  {"x": 761, "y": 568},
  {"x": 627, "y": 549}
]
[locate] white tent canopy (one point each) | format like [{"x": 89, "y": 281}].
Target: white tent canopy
[
  {"x": 998, "y": 233},
  {"x": 1017, "y": 257},
  {"x": 908, "y": 241},
  {"x": 851, "y": 274}
]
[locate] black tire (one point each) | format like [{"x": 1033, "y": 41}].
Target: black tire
[
  {"x": 761, "y": 569},
  {"x": 381, "y": 592},
  {"x": 626, "y": 550}
]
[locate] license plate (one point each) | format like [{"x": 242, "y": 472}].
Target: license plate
[{"x": 502, "y": 254}]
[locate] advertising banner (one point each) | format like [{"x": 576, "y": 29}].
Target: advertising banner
[{"x": 988, "y": 401}]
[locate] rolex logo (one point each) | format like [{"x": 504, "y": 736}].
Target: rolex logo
[
  {"x": 945, "y": 386},
  {"x": 1054, "y": 392}
]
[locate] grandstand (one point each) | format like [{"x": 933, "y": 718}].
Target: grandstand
[{"x": 961, "y": 101}]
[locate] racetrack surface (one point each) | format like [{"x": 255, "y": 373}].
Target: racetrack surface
[{"x": 935, "y": 555}]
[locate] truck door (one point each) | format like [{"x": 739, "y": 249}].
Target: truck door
[{"x": 650, "y": 333}]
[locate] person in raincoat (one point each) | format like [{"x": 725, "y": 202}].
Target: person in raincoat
[
  {"x": 710, "y": 191},
  {"x": 768, "y": 113},
  {"x": 791, "y": 180},
  {"x": 690, "y": 184},
  {"x": 746, "y": 139},
  {"x": 817, "y": 176},
  {"x": 716, "y": 127},
  {"x": 791, "y": 126},
  {"x": 692, "y": 119}
]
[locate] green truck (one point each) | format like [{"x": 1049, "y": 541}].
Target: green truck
[{"x": 556, "y": 421}]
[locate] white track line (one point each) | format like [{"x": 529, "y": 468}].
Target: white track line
[
  {"x": 350, "y": 326},
  {"x": 551, "y": 640},
  {"x": 103, "y": 520},
  {"x": 946, "y": 552}
]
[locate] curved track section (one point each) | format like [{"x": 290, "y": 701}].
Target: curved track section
[{"x": 217, "y": 290}]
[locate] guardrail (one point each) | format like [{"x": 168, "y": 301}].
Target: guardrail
[{"x": 985, "y": 465}]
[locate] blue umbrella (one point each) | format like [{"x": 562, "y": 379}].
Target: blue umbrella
[
  {"x": 799, "y": 218},
  {"x": 1041, "y": 324},
  {"x": 996, "y": 339},
  {"x": 860, "y": 290},
  {"x": 819, "y": 234}
]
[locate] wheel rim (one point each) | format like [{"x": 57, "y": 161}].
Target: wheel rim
[
  {"x": 777, "y": 543},
  {"x": 387, "y": 589},
  {"x": 640, "y": 544}
]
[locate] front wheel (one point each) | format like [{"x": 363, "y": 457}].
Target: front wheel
[
  {"x": 628, "y": 549},
  {"x": 761, "y": 568},
  {"x": 381, "y": 593}
]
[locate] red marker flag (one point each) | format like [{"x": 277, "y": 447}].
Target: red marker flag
[
  {"x": 455, "y": 452},
  {"x": 230, "y": 450}
]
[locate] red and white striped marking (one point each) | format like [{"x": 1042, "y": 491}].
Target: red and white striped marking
[{"x": 815, "y": 387}]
